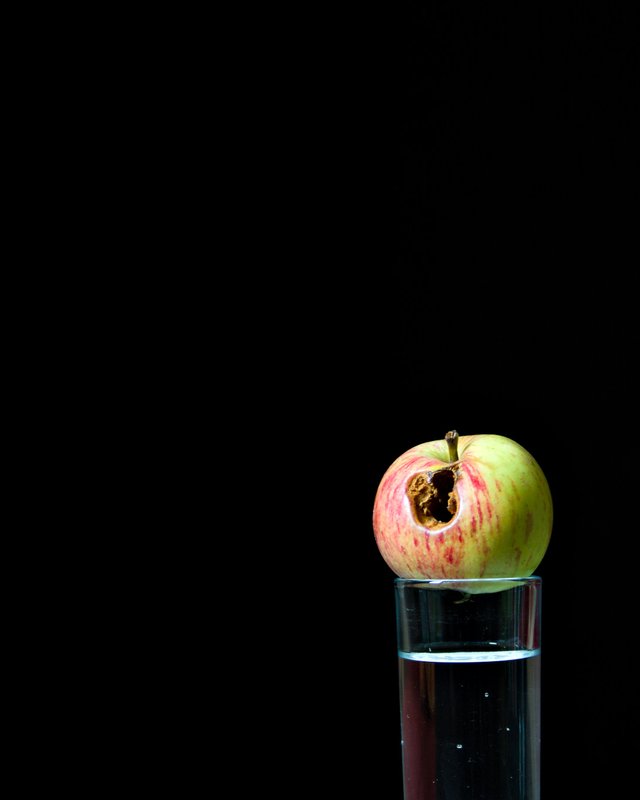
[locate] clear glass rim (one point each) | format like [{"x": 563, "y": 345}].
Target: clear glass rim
[{"x": 457, "y": 581}]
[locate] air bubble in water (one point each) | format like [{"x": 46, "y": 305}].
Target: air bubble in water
[{"x": 459, "y": 746}]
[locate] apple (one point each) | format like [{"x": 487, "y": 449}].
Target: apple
[{"x": 463, "y": 507}]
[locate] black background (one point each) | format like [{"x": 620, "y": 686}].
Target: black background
[
  {"x": 465, "y": 236},
  {"x": 377, "y": 224}
]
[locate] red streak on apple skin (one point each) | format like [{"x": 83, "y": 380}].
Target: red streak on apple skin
[
  {"x": 479, "y": 484},
  {"x": 479, "y": 507},
  {"x": 408, "y": 465},
  {"x": 480, "y": 487}
]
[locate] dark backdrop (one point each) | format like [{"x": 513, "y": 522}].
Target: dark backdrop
[
  {"x": 466, "y": 259},
  {"x": 431, "y": 219}
]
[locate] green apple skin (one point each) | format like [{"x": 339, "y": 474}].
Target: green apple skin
[{"x": 502, "y": 523}]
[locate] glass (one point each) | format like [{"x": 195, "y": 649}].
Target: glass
[{"x": 469, "y": 660}]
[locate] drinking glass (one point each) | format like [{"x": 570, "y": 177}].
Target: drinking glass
[{"x": 469, "y": 660}]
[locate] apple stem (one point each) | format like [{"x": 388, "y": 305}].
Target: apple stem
[{"x": 451, "y": 439}]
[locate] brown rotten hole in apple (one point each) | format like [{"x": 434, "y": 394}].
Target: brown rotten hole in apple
[{"x": 433, "y": 497}]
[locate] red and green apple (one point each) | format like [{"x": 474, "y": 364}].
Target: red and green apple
[{"x": 463, "y": 507}]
